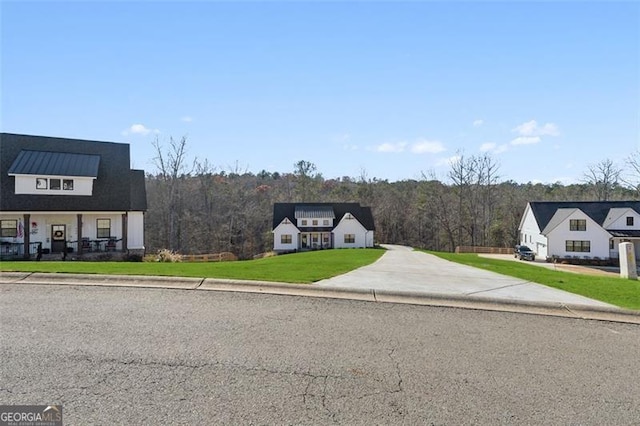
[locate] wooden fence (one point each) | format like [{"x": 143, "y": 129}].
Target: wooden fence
[
  {"x": 213, "y": 257},
  {"x": 487, "y": 250}
]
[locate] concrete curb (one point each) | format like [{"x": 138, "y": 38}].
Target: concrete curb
[{"x": 310, "y": 290}]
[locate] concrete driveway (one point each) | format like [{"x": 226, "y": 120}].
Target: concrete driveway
[{"x": 403, "y": 269}]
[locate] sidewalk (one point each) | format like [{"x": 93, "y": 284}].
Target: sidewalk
[{"x": 401, "y": 275}]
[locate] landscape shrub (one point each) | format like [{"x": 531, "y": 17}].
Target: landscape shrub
[{"x": 166, "y": 255}]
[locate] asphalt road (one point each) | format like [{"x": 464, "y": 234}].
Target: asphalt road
[{"x": 153, "y": 356}]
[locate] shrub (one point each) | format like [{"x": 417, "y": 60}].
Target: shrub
[{"x": 166, "y": 255}]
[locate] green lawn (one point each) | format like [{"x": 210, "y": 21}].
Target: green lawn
[
  {"x": 304, "y": 267},
  {"x": 614, "y": 290}
]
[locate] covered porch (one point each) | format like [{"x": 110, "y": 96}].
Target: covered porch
[
  {"x": 618, "y": 237},
  {"x": 315, "y": 240},
  {"x": 36, "y": 236}
]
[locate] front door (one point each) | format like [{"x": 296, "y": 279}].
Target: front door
[{"x": 58, "y": 237}]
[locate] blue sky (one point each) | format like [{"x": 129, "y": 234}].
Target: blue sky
[{"x": 390, "y": 89}]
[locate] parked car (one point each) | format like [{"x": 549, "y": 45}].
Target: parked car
[{"x": 524, "y": 253}]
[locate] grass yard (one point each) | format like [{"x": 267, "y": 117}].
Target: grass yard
[
  {"x": 614, "y": 290},
  {"x": 304, "y": 267}
]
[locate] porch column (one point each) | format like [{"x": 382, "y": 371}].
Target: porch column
[
  {"x": 125, "y": 227},
  {"x": 80, "y": 233},
  {"x": 27, "y": 234}
]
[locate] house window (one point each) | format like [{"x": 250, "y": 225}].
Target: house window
[
  {"x": 578, "y": 225},
  {"x": 578, "y": 246},
  {"x": 349, "y": 238},
  {"x": 8, "y": 228},
  {"x": 54, "y": 184},
  {"x": 67, "y": 184},
  {"x": 104, "y": 228},
  {"x": 314, "y": 222},
  {"x": 325, "y": 222},
  {"x": 325, "y": 238},
  {"x": 41, "y": 183},
  {"x": 611, "y": 244},
  {"x": 629, "y": 220},
  {"x": 285, "y": 239},
  {"x": 304, "y": 222}
]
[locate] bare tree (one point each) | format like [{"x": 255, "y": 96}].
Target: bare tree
[
  {"x": 171, "y": 165},
  {"x": 603, "y": 178},
  {"x": 632, "y": 180}
]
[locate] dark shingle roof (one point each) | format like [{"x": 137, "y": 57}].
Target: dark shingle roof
[
  {"x": 116, "y": 187},
  {"x": 288, "y": 210},
  {"x": 543, "y": 211},
  {"x": 55, "y": 164}
]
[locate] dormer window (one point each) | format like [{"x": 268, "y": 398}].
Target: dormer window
[
  {"x": 54, "y": 173},
  {"x": 629, "y": 220}
]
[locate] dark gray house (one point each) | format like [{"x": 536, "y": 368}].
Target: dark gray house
[{"x": 69, "y": 195}]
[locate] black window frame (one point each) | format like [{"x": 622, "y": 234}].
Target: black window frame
[
  {"x": 57, "y": 182},
  {"x": 285, "y": 237},
  {"x": 577, "y": 224},
  {"x": 629, "y": 220},
  {"x": 13, "y": 234},
  {"x": 578, "y": 246},
  {"x": 349, "y": 238},
  {"x": 102, "y": 228}
]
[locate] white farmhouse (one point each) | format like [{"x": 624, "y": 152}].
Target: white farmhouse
[
  {"x": 62, "y": 195},
  {"x": 309, "y": 226},
  {"x": 583, "y": 228}
]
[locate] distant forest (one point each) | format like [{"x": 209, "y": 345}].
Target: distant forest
[{"x": 195, "y": 208}]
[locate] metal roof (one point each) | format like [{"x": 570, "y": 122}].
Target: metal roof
[
  {"x": 626, "y": 233},
  {"x": 47, "y": 163},
  {"x": 314, "y": 212}
]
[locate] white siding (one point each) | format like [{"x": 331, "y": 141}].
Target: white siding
[
  {"x": 594, "y": 233},
  {"x": 617, "y": 220},
  {"x": 530, "y": 234},
  {"x": 135, "y": 231},
  {"x": 309, "y": 222},
  {"x": 350, "y": 226},
  {"x": 26, "y": 184},
  {"x": 285, "y": 229}
]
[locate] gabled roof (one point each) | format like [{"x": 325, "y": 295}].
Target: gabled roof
[
  {"x": 116, "y": 187},
  {"x": 544, "y": 211},
  {"x": 288, "y": 210},
  {"x": 560, "y": 216},
  {"x": 45, "y": 163}
]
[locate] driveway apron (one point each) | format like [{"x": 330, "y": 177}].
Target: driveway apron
[{"x": 402, "y": 269}]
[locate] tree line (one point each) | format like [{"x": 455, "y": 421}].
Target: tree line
[{"x": 196, "y": 208}]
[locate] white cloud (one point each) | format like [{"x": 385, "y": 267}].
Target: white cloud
[
  {"x": 139, "y": 129},
  {"x": 531, "y": 128},
  {"x": 186, "y": 119},
  {"x": 478, "y": 123},
  {"x": 391, "y": 147},
  {"x": 525, "y": 140},
  {"x": 494, "y": 147},
  {"x": 427, "y": 147},
  {"x": 421, "y": 146},
  {"x": 488, "y": 146},
  {"x": 448, "y": 161}
]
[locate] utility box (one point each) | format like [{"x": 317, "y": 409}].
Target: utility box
[{"x": 628, "y": 268}]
